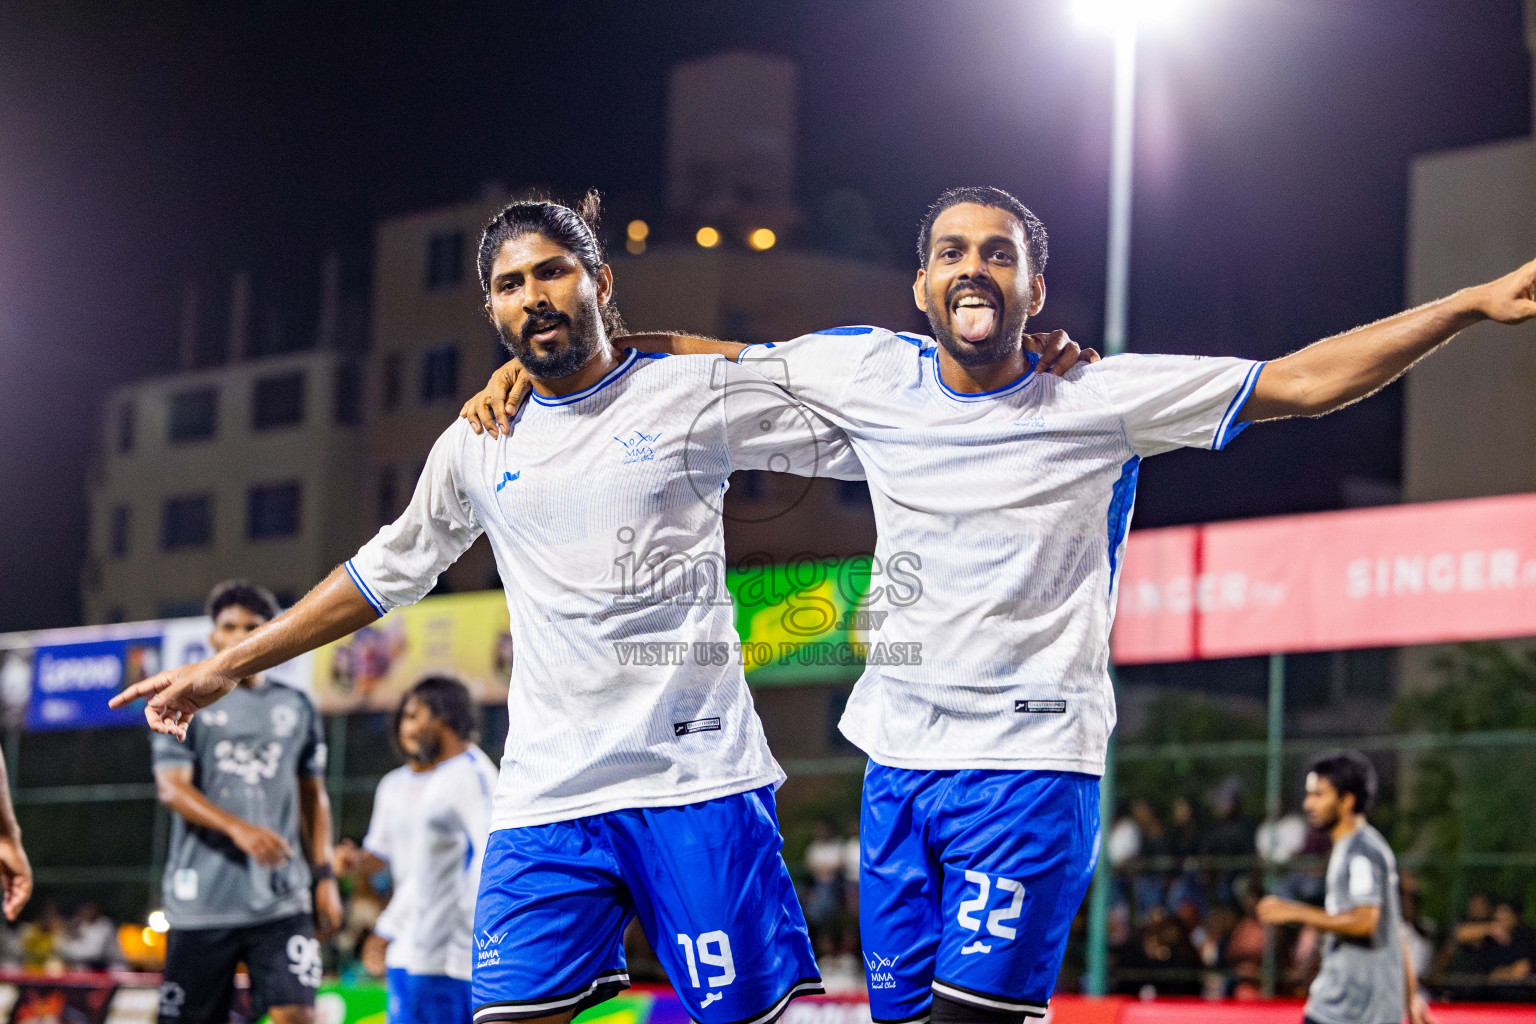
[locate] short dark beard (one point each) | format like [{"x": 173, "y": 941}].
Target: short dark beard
[
  {"x": 1003, "y": 343},
  {"x": 584, "y": 334},
  {"x": 428, "y": 749}
]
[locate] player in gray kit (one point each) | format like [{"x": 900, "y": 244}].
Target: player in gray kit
[
  {"x": 1366, "y": 977},
  {"x": 251, "y": 818}
]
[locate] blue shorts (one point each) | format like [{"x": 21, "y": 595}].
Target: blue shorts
[
  {"x": 968, "y": 883},
  {"x": 706, "y": 881},
  {"x": 437, "y": 999},
  {"x": 396, "y": 997}
]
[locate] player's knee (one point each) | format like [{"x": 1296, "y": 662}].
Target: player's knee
[{"x": 947, "y": 1011}]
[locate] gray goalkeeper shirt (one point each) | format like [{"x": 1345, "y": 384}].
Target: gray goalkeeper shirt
[
  {"x": 1361, "y": 981},
  {"x": 246, "y": 753}
]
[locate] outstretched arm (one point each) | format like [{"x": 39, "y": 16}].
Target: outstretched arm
[
  {"x": 1345, "y": 368},
  {"x": 1355, "y": 923},
  {"x": 15, "y": 869},
  {"x": 329, "y": 612},
  {"x": 493, "y": 408}
]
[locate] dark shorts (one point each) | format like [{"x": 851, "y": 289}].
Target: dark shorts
[{"x": 282, "y": 957}]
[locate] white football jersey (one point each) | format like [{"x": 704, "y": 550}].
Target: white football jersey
[
  {"x": 389, "y": 839},
  {"x": 451, "y": 824},
  {"x": 1002, "y": 520},
  {"x": 603, "y": 509}
]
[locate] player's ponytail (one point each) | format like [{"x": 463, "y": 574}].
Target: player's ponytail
[{"x": 573, "y": 229}]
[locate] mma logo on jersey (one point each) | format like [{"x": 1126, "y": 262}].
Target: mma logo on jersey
[
  {"x": 487, "y": 945},
  {"x": 638, "y": 447},
  {"x": 251, "y": 767},
  {"x": 881, "y": 970}
]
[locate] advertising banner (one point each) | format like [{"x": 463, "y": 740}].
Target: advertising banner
[
  {"x": 1438, "y": 572},
  {"x": 72, "y": 682},
  {"x": 460, "y": 634}
]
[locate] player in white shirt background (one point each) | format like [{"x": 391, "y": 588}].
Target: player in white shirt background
[
  {"x": 634, "y": 783},
  {"x": 385, "y": 847},
  {"x": 1014, "y": 489},
  {"x": 429, "y": 826}
]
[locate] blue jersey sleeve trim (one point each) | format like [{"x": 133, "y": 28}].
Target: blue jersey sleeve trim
[
  {"x": 1121, "y": 500},
  {"x": 756, "y": 344},
  {"x": 846, "y": 331},
  {"x": 368, "y": 595},
  {"x": 1231, "y": 427}
]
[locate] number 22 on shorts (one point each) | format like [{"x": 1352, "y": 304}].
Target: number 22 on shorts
[
  {"x": 996, "y": 921},
  {"x": 714, "y": 950}
]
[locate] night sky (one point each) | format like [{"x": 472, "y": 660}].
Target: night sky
[{"x": 142, "y": 147}]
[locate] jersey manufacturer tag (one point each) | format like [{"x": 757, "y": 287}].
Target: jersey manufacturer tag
[
  {"x": 697, "y": 725},
  {"x": 1040, "y": 707}
]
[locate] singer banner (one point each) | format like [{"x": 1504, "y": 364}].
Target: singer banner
[{"x": 1438, "y": 572}]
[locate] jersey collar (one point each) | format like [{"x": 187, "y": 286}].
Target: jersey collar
[
  {"x": 612, "y": 375},
  {"x": 1018, "y": 384}
]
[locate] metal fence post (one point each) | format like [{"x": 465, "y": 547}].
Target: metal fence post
[
  {"x": 1103, "y": 882},
  {"x": 1273, "y": 781},
  {"x": 336, "y": 767}
]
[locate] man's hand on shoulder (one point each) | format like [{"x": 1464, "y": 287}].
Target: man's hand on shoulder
[
  {"x": 1510, "y": 299},
  {"x": 1058, "y": 353},
  {"x": 176, "y": 695},
  {"x": 493, "y": 408}
]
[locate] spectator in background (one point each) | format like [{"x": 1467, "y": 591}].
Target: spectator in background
[
  {"x": 851, "y": 877},
  {"x": 1230, "y": 835},
  {"x": 1505, "y": 953},
  {"x": 39, "y": 939},
  {"x": 1147, "y": 885},
  {"x": 824, "y": 863},
  {"x": 88, "y": 941}
]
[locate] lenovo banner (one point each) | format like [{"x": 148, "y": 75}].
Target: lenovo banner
[{"x": 1383, "y": 577}]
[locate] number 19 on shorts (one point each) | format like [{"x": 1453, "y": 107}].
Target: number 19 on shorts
[{"x": 712, "y": 950}]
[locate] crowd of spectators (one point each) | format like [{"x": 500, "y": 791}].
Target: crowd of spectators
[{"x": 85, "y": 940}]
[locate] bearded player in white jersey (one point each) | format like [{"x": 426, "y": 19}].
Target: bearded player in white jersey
[
  {"x": 1015, "y": 489},
  {"x": 635, "y": 782},
  {"x": 429, "y": 827}
]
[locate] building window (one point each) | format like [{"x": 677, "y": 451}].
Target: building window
[
  {"x": 194, "y": 415},
  {"x": 389, "y": 495},
  {"x": 349, "y": 394},
  {"x": 125, "y": 415},
  {"x": 392, "y": 380},
  {"x": 278, "y": 401},
  {"x": 445, "y": 259},
  {"x": 272, "y": 511},
  {"x": 186, "y": 522},
  {"x": 439, "y": 374},
  {"x": 117, "y": 531}
]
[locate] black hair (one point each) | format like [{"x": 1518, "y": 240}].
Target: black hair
[
  {"x": 573, "y": 229},
  {"x": 1350, "y": 772},
  {"x": 257, "y": 600},
  {"x": 447, "y": 699},
  {"x": 985, "y": 195}
]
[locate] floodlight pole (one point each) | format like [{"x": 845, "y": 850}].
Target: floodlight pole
[
  {"x": 1122, "y": 146},
  {"x": 1116, "y": 304}
]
